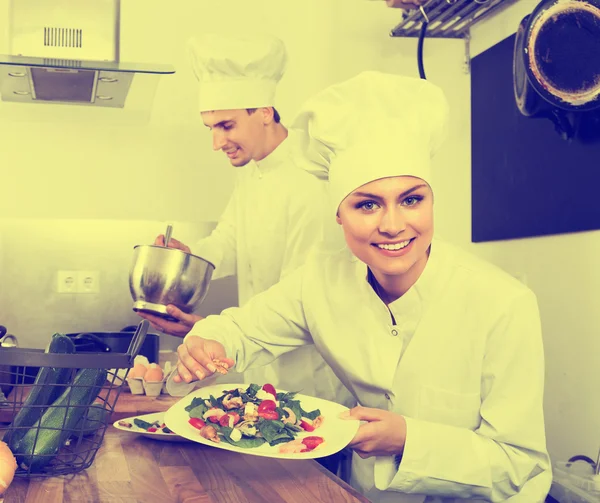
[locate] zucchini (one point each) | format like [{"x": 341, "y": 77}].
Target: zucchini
[
  {"x": 42, "y": 442},
  {"x": 89, "y": 424},
  {"x": 43, "y": 393}
]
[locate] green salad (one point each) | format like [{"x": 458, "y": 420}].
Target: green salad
[{"x": 253, "y": 416}]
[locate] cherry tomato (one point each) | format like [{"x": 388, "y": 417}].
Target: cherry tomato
[
  {"x": 269, "y": 414},
  {"x": 266, "y": 405},
  {"x": 269, "y": 388},
  {"x": 312, "y": 442},
  {"x": 213, "y": 419},
  {"x": 151, "y": 430},
  {"x": 236, "y": 417},
  {"x": 196, "y": 422},
  {"x": 224, "y": 421},
  {"x": 306, "y": 426}
]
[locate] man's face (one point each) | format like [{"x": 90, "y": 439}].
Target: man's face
[{"x": 239, "y": 134}]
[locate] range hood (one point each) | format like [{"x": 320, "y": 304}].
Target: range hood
[{"x": 65, "y": 52}]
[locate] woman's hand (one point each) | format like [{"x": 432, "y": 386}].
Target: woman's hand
[
  {"x": 197, "y": 359},
  {"x": 384, "y": 434}
]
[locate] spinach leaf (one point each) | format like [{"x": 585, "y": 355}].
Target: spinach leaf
[
  {"x": 140, "y": 423},
  {"x": 194, "y": 404},
  {"x": 311, "y": 415},
  {"x": 282, "y": 439},
  {"x": 198, "y": 411},
  {"x": 292, "y": 427},
  {"x": 213, "y": 401},
  {"x": 274, "y": 432},
  {"x": 284, "y": 397},
  {"x": 252, "y": 390},
  {"x": 244, "y": 442}
]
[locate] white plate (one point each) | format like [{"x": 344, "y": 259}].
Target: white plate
[
  {"x": 149, "y": 418},
  {"x": 337, "y": 433}
]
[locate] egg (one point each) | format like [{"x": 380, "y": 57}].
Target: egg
[
  {"x": 139, "y": 370},
  {"x": 154, "y": 373}
]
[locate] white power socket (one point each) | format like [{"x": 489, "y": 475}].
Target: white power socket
[
  {"x": 77, "y": 282},
  {"x": 87, "y": 282},
  {"x": 66, "y": 282}
]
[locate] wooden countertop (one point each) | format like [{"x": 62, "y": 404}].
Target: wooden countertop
[
  {"x": 130, "y": 468},
  {"x": 136, "y": 405}
]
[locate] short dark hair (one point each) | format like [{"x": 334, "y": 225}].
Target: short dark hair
[{"x": 276, "y": 116}]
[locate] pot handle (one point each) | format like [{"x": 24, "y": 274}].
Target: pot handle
[
  {"x": 137, "y": 340},
  {"x": 93, "y": 338}
]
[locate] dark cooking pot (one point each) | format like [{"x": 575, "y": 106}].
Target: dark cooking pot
[
  {"x": 116, "y": 342},
  {"x": 556, "y": 71}
]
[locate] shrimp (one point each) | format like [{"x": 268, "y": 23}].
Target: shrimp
[{"x": 222, "y": 367}]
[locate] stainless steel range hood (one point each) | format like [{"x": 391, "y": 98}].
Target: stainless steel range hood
[{"x": 66, "y": 52}]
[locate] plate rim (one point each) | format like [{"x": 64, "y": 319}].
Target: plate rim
[
  {"x": 149, "y": 433},
  {"x": 254, "y": 452}
]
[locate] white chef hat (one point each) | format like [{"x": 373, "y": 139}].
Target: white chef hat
[
  {"x": 237, "y": 71},
  {"x": 372, "y": 126}
]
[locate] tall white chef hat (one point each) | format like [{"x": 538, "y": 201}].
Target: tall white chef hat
[
  {"x": 237, "y": 71},
  {"x": 372, "y": 126}
]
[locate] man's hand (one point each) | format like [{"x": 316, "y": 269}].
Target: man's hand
[
  {"x": 196, "y": 359},
  {"x": 384, "y": 434},
  {"x": 178, "y": 328},
  {"x": 173, "y": 243}
]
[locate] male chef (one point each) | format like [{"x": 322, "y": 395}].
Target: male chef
[{"x": 277, "y": 211}]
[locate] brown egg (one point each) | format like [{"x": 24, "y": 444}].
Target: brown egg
[
  {"x": 138, "y": 370},
  {"x": 154, "y": 373}
]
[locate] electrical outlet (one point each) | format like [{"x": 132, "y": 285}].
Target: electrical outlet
[
  {"x": 88, "y": 282},
  {"x": 66, "y": 282}
]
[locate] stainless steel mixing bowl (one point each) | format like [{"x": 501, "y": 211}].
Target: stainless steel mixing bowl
[{"x": 160, "y": 276}]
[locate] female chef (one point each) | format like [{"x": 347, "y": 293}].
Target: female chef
[{"x": 442, "y": 350}]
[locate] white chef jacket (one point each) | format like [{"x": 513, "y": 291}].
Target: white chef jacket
[
  {"x": 276, "y": 214},
  {"x": 463, "y": 364}
]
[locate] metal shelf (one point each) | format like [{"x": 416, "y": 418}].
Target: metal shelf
[{"x": 448, "y": 18}]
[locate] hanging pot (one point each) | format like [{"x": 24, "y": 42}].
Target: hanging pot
[
  {"x": 556, "y": 69},
  {"x": 560, "y": 50}
]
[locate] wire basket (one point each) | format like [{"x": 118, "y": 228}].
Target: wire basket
[{"x": 68, "y": 432}]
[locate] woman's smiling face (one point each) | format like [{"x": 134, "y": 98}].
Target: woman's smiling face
[{"x": 388, "y": 225}]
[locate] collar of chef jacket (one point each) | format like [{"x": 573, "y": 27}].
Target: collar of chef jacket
[
  {"x": 408, "y": 309},
  {"x": 423, "y": 290},
  {"x": 279, "y": 156}
]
